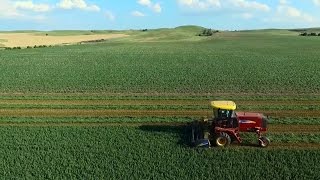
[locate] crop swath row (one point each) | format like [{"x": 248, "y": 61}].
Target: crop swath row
[{"x": 109, "y": 106}]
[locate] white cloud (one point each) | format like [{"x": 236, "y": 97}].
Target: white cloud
[
  {"x": 316, "y": 2},
  {"x": 234, "y": 5},
  {"x": 145, "y": 2},
  {"x": 137, "y": 14},
  {"x": 7, "y": 10},
  {"x": 156, "y": 7},
  {"x": 283, "y": 1},
  {"x": 29, "y": 5},
  {"x": 200, "y": 4},
  {"x": 77, "y": 4},
  {"x": 247, "y": 15},
  {"x": 289, "y": 13},
  {"x": 250, "y": 5},
  {"x": 110, "y": 15}
]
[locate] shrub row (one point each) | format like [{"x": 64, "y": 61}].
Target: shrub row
[
  {"x": 309, "y": 34},
  {"x": 208, "y": 32},
  {"x": 28, "y": 47}
]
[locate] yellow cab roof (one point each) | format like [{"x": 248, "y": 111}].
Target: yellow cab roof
[{"x": 227, "y": 105}]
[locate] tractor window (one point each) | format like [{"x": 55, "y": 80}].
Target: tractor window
[{"x": 224, "y": 114}]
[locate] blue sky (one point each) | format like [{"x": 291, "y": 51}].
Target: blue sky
[{"x": 139, "y": 14}]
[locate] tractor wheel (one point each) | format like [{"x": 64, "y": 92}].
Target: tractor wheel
[
  {"x": 264, "y": 141},
  {"x": 223, "y": 140}
]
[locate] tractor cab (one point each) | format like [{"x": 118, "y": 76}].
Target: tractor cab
[{"x": 224, "y": 114}]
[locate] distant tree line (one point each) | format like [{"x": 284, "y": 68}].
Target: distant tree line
[
  {"x": 208, "y": 32},
  {"x": 28, "y": 47},
  {"x": 309, "y": 34}
]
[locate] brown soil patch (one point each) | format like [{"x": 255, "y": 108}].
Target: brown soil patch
[{"x": 29, "y": 39}]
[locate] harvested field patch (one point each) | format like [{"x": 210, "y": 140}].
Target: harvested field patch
[{"x": 29, "y": 39}]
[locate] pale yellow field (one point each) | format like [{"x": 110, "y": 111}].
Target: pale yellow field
[{"x": 29, "y": 39}]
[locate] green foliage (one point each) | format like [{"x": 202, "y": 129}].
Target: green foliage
[
  {"x": 309, "y": 34},
  {"x": 208, "y": 32},
  {"x": 139, "y": 153}
]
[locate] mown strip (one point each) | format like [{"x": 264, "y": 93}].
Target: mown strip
[
  {"x": 140, "y": 113},
  {"x": 169, "y": 102},
  {"x": 294, "y": 120},
  {"x": 283, "y": 122},
  {"x": 156, "y": 107},
  {"x": 117, "y": 120}
]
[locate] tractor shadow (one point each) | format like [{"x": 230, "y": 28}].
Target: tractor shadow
[{"x": 182, "y": 131}]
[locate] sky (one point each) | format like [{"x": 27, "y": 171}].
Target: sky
[{"x": 150, "y": 14}]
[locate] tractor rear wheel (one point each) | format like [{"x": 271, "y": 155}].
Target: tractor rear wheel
[
  {"x": 222, "y": 140},
  {"x": 264, "y": 141}
]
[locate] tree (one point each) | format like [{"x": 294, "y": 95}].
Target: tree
[{"x": 304, "y": 34}]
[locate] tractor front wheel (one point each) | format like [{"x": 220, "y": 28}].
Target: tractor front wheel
[
  {"x": 264, "y": 141},
  {"x": 223, "y": 140}
]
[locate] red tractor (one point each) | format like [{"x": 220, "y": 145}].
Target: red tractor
[{"x": 226, "y": 125}]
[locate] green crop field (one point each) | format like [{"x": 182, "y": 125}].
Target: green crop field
[
  {"x": 119, "y": 109},
  {"x": 231, "y": 62},
  {"x": 142, "y": 152}
]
